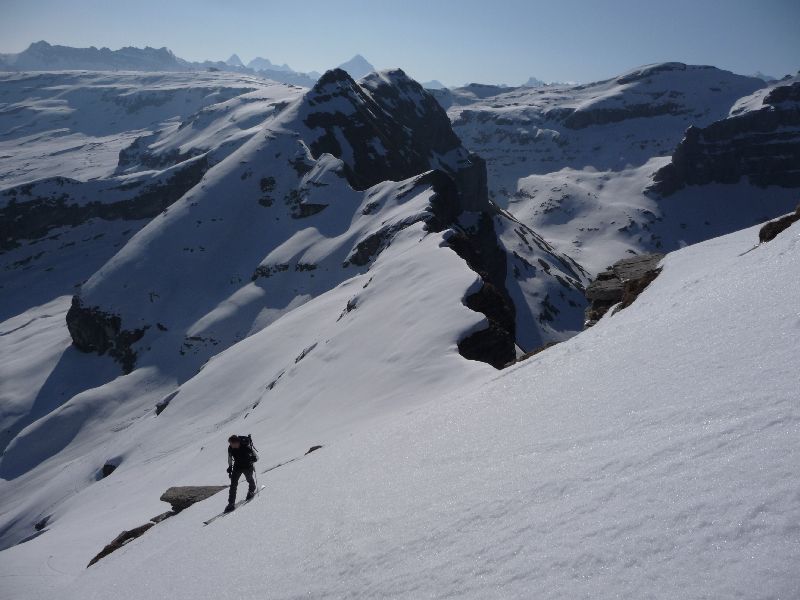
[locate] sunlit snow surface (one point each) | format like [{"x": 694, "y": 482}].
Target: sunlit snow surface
[{"x": 654, "y": 455}]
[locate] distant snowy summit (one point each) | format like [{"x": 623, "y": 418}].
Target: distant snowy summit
[
  {"x": 42, "y": 56},
  {"x": 357, "y": 67},
  {"x": 264, "y": 64},
  {"x": 534, "y": 82},
  {"x": 234, "y": 61}
]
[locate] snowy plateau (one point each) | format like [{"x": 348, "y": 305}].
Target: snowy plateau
[{"x": 399, "y": 278}]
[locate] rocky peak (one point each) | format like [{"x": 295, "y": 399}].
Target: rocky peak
[
  {"x": 234, "y": 61},
  {"x": 388, "y": 127}
]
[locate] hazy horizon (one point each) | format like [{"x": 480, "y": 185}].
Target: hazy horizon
[{"x": 505, "y": 42}]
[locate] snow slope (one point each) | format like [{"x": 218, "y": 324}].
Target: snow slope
[
  {"x": 119, "y": 139},
  {"x": 599, "y": 217},
  {"x": 276, "y": 245},
  {"x": 74, "y": 124},
  {"x": 653, "y": 455}
]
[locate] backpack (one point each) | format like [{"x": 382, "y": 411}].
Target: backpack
[{"x": 247, "y": 442}]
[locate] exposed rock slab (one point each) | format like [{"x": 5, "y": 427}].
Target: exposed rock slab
[
  {"x": 119, "y": 541},
  {"x": 620, "y": 284},
  {"x": 770, "y": 230},
  {"x": 181, "y": 497}
]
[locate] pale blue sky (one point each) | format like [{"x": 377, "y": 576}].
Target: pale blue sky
[{"x": 499, "y": 41}]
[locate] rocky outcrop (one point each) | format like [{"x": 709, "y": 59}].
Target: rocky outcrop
[
  {"x": 601, "y": 116},
  {"x": 480, "y": 249},
  {"x": 29, "y": 213},
  {"x": 762, "y": 145},
  {"x": 179, "y": 498},
  {"x": 119, "y": 541},
  {"x": 93, "y": 330},
  {"x": 621, "y": 284},
  {"x": 770, "y": 230},
  {"x": 495, "y": 343},
  {"x": 182, "y": 497},
  {"x": 393, "y": 128}
]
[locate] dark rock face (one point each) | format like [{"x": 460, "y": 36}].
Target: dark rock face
[
  {"x": 368, "y": 249},
  {"x": 108, "y": 469},
  {"x": 394, "y": 130},
  {"x": 119, "y": 541},
  {"x": 479, "y": 248},
  {"x": 770, "y": 231},
  {"x": 763, "y": 145},
  {"x": 495, "y": 343},
  {"x": 601, "y": 116},
  {"x": 29, "y": 216},
  {"x": 93, "y": 330},
  {"x": 182, "y": 497},
  {"x": 621, "y": 284}
]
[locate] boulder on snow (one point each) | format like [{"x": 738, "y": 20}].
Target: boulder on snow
[
  {"x": 181, "y": 497},
  {"x": 108, "y": 469},
  {"x": 770, "y": 230},
  {"x": 620, "y": 284}
]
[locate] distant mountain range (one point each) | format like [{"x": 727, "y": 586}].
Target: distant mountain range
[{"x": 42, "y": 56}]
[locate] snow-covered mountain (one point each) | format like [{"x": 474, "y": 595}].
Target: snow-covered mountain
[
  {"x": 534, "y": 82},
  {"x": 357, "y": 67},
  {"x": 434, "y": 84},
  {"x": 347, "y": 198},
  {"x": 264, "y": 64},
  {"x": 576, "y": 163},
  {"x": 89, "y": 158},
  {"x": 188, "y": 255},
  {"x": 234, "y": 61},
  {"x": 41, "y": 56}
]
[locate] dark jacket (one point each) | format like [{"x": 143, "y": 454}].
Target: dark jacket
[{"x": 241, "y": 458}]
